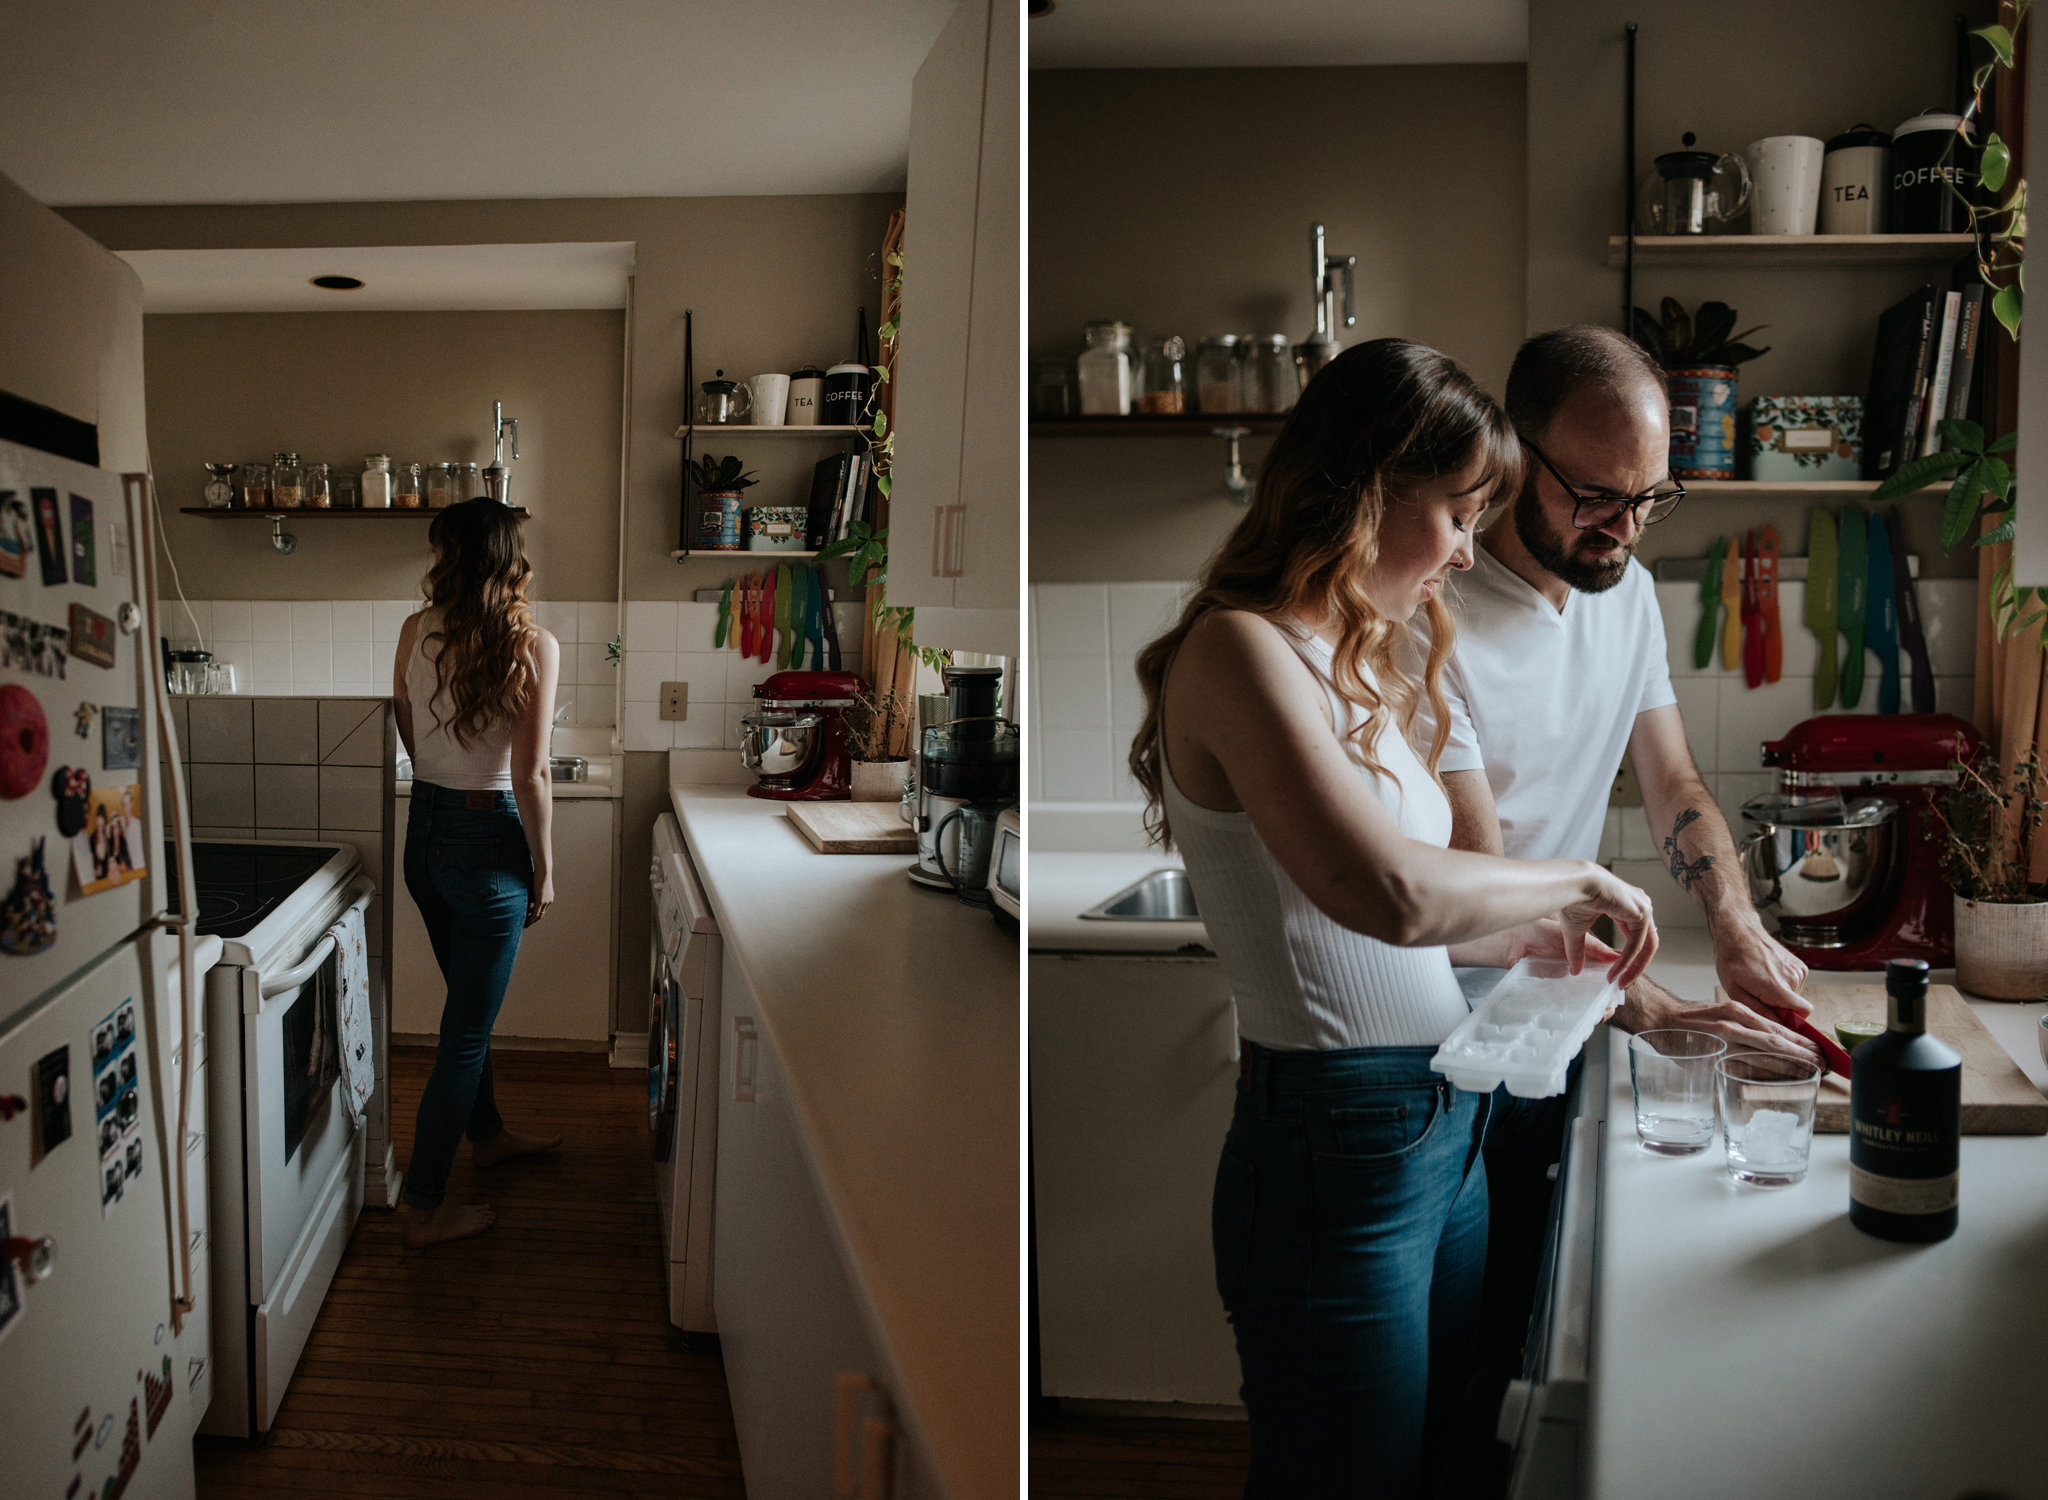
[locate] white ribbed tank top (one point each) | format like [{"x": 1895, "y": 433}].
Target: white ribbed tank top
[
  {"x": 1300, "y": 981},
  {"x": 437, "y": 756}
]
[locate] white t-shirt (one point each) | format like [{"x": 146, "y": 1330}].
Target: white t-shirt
[{"x": 1544, "y": 700}]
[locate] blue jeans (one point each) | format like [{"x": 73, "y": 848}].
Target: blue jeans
[
  {"x": 1350, "y": 1239},
  {"x": 469, "y": 872}
]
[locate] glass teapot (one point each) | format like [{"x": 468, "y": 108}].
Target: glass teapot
[
  {"x": 1691, "y": 192},
  {"x": 724, "y": 402}
]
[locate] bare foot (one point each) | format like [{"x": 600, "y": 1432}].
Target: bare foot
[
  {"x": 510, "y": 1143},
  {"x": 451, "y": 1221}
]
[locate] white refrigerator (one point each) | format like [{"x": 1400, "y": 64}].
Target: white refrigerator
[{"x": 103, "y": 1323}]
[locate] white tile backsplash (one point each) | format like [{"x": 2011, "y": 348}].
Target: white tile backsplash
[
  {"x": 1073, "y": 618},
  {"x": 650, "y": 625},
  {"x": 352, "y": 621},
  {"x": 312, "y": 620},
  {"x": 270, "y": 620}
]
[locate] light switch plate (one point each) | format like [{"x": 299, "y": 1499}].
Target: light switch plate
[{"x": 675, "y": 700}]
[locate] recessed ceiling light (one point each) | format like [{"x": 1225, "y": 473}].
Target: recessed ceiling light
[{"x": 337, "y": 283}]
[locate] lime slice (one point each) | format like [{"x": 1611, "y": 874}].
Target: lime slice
[{"x": 1853, "y": 1034}]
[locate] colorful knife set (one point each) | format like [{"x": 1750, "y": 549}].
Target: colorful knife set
[
  {"x": 775, "y": 616},
  {"x": 1857, "y": 586},
  {"x": 1743, "y": 578}
]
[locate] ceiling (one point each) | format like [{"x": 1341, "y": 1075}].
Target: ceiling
[
  {"x": 1277, "y": 33},
  {"x": 396, "y": 278},
  {"x": 253, "y": 101}
]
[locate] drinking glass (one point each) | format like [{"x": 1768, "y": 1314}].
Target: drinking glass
[
  {"x": 1672, "y": 1076},
  {"x": 1767, "y": 1103}
]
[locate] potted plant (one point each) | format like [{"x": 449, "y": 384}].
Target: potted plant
[
  {"x": 721, "y": 488},
  {"x": 1700, "y": 354},
  {"x": 1986, "y": 829},
  {"x": 872, "y": 726}
]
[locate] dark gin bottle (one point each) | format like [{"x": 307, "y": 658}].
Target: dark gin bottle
[{"x": 1905, "y": 1120}]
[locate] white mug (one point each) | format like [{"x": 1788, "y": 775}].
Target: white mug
[
  {"x": 771, "y": 397},
  {"x": 1784, "y": 172}
]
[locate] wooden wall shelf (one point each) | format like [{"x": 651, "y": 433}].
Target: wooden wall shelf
[
  {"x": 1773, "y": 489},
  {"x": 1818, "y": 251},
  {"x": 746, "y": 430},
  {"x": 395, "y": 513},
  {"x": 1260, "y": 424}
]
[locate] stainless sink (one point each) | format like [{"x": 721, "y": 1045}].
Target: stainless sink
[
  {"x": 1162, "y": 896},
  {"x": 568, "y": 768}
]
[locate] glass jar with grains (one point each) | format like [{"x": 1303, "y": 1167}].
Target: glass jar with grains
[
  {"x": 317, "y": 487},
  {"x": 287, "y": 487},
  {"x": 1165, "y": 392},
  {"x": 407, "y": 495},
  {"x": 440, "y": 486},
  {"x": 1219, "y": 373}
]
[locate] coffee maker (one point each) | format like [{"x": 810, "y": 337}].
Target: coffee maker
[
  {"x": 1840, "y": 857},
  {"x": 967, "y": 775},
  {"x": 795, "y": 740}
]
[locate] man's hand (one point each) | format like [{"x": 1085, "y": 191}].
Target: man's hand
[
  {"x": 1754, "y": 968},
  {"x": 1649, "y": 1007}
]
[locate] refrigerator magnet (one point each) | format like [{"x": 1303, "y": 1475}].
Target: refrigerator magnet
[
  {"x": 121, "y": 738},
  {"x": 71, "y": 786},
  {"x": 17, "y": 535},
  {"x": 49, "y": 537},
  {"x": 24, "y": 741},
  {"x": 108, "y": 850},
  {"x": 84, "y": 564},
  {"x": 92, "y": 635},
  {"x": 10, "y": 1274},
  {"x": 31, "y": 646},
  {"x": 157, "y": 1390},
  {"x": 28, "y": 914},
  {"x": 81, "y": 719}
]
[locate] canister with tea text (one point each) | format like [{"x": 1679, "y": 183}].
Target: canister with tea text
[{"x": 1855, "y": 182}]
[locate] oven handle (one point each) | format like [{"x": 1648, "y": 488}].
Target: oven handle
[{"x": 298, "y": 974}]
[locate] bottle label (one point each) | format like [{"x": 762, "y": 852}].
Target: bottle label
[{"x": 1903, "y": 1195}]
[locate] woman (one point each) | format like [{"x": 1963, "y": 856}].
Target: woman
[
  {"x": 1350, "y": 1208},
  {"x": 473, "y": 683}
]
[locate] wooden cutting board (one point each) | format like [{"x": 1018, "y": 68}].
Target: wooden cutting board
[
  {"x": 853, "y": 827},
  {"x": 1997, "y": 1098}
]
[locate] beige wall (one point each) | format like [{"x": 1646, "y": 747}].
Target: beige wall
[
  {"x": 1814, "y": 68},
  {"x": 70, "y": 326},
  {"x": 774, "y": 282},
  {"x": 418, "y": 386},
  {"x": 1179, "y": 200}
]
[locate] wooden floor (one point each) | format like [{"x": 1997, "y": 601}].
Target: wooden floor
[
  {"x": 1128, "y": 1458},
  {"x": 536, "y": 1360}
]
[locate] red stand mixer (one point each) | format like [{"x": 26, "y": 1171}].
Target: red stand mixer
[
  {"x": 795, "y": 740},
  {"x": 1842, "y": 854}
]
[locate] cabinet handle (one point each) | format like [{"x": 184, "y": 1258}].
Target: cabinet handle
[
  {"x": 745, "y": 1055},
  {"x": 949, "y": 535},
  {"x": 879, "y": 1448},
  {"x": 877, "y": 1445}
]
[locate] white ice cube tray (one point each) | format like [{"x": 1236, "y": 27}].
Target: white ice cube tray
[{"x": 1527, "y": 1031}]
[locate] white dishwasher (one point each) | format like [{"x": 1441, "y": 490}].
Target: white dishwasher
[{"x": 682, "y": 1072}]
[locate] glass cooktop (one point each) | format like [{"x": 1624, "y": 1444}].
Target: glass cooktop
[{"x": 241, "y": 884}]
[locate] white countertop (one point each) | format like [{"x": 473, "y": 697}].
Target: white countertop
[
  {"x": 1059, "y": 887},
  {"x": 895, "y": 1012},
  {"x": 1750, "y": 1341}
]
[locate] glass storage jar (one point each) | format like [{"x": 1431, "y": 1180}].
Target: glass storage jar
[
  {"x": 407, "y": 495},
  {"x": 317, "y": 487},
  {"x": 1052, "y": 388},
  {"x": 469, "y": 482},
  {"x": 1165, "y": 391},
  {"x": 377, "y": 481},
  {"x": 1270, "y": 380},
  {"x": 1219, "y": 374},
  {"x": 1104, "y": 370},
  {"x": 254, "y": 484},
  {"x": 440, "y": 486},
  {"x": 287, "y": 487}
]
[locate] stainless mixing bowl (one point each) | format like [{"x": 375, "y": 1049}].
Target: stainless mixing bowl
[
  {"x": 1823, "y": 870},
  {"x": 775, "y": 743}
]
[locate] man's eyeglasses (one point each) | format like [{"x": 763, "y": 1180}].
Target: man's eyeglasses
[{"x": 1590, "y": 512}]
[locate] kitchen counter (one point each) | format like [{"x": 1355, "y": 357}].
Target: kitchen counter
[
  {"x": 1750, "y": 1341},
  {"x": 894, "y": 1011},
  {"x": 1059, "y": 887}
]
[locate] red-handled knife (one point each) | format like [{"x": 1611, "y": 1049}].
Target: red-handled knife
[
  {"x": 1752, "y": 616},
  {"x": 1767, "y": 601},
  {"x": 1830, "y": 1050}
]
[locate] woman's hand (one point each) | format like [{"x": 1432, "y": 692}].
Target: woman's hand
[
  {"x": 541, "y": 898},
  {"x": 1610, "y": 896},
  {"x": 1543, "y": 938}
]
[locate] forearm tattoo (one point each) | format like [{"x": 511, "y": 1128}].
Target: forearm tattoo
[{"x": 1685, "y": 871}]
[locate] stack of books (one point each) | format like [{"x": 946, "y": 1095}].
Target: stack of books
[
  {"x": 1925, "y": 370},
  {"x": 839, "y": 497}
]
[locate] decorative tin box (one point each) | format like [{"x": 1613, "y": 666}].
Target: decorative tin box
[
  {"x": 1702, "y": 421},
  {"x": 776, "y": 528},
  {"x": 1806, "y": 437}
]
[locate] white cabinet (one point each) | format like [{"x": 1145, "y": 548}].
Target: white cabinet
[
  {"x": 563, "y": 982},
  {"x": 1132, "y": 1087},
  {"x": 954, "y": 505},
  {"x": 789, "y": 1325}
]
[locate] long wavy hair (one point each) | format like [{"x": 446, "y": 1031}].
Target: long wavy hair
[
  {"x": 484, "y": 670},
  {"x": 1378, "y": 420}
]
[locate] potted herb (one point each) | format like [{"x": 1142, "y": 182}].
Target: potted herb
[
  {"x": 872, "y": 726},
  {"x": 721, "y": 487},
  {"x": 1986, "y": 828},
  {"x": 1700, "y": 354}
]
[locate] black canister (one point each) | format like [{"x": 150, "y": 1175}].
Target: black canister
[
  {"x": 971, "y": 695},
  {"x": 846, "y": 395},
  {"x": 1933, "y": 174}
]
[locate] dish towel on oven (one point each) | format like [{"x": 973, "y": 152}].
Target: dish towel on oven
[{"x": 352, "y": 1012}]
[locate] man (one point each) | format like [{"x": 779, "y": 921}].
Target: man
[{"x": 1560, "y": 668}]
